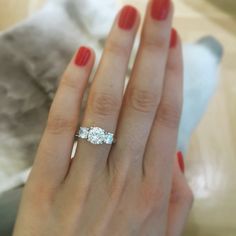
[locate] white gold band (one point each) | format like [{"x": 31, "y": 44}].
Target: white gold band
[{"x": 95, "y": 135}]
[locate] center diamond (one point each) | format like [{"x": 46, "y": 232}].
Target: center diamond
[{"x": 96, "y": 135}]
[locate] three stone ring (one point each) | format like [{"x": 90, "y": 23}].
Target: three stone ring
[{"x": 95, "y": 135}]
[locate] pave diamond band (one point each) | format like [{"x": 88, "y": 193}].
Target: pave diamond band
[{"x": 95, "y": 135}]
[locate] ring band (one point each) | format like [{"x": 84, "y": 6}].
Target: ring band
[{"x": 95, "y": 135}]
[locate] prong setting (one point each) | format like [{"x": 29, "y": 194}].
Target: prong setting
[{"x": 95, "y": 135}]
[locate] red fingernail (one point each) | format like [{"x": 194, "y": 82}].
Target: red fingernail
[
  {"x": 173, "y": 38},
  {"x": 127, "y": 17},
  {"x": 160, "y": 9},
  {"x": 181, "y": 161},
  {"x": 82, "y": 56}
]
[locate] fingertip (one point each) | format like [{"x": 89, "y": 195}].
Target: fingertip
[
  {"x": 84, "y": 56},
  {"x": 181, "y": 161},
  {"x": 175, "y": 57},
  {"x": 173, "y": 38},
  {"x": 127, "y": 17}
]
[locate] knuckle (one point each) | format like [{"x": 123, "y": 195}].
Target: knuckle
[
  {"x": 151, "y": 43},
  {"x": 153, "y": 199},
  {"x": 58, "y": 123},
  {"x": 68, "y": 82},
  {"x": 174, "y": 67},
  {"x": 188, "y": 196},
  {"x": 169, "y": 114},
  {"x": 183, "y": 196},
  {"x": 116, "y": 49},
  {"x": 117, "y": 189},
  {"x": 39, "y": 191},
  {"x": 104, "y": 104},
  {"x": 143, "y": 100}
]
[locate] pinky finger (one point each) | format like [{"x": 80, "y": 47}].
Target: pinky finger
[{"x": 181, "y": 200}]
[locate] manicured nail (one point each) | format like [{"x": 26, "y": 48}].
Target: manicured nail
[
  {"x": 82, "y": 56},
  {"x": 173, "y": 38},
  {"x": 181, "y": 161},
  {"x": 127, "y": 18},
  {"x": 160, "y": 9}
]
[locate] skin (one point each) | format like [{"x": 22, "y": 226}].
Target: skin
[{"x": 133, "y": 187}]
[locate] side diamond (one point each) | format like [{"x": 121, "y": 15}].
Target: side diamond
[
  {"x": 83, "y": 132},
  {"x": 109, "y": 138}
]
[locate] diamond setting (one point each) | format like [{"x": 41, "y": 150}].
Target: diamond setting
[{"x": 95, "y": 135}]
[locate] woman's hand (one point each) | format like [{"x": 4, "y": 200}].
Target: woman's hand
[{"x": 133, "y": 187}]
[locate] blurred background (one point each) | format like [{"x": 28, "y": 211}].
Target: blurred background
[{"x": 211, "y": 160}]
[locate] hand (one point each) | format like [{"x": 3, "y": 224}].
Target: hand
[{"x": 127, "y": 188}]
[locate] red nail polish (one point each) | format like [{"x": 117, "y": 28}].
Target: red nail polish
[
  {"x": 160, "y": 9},
  {"x": 173, "y": 38},
  {"x": 82, "y": 56},
  {"x": 181, "y": 161},
  {"x": 127, "y": 17}
]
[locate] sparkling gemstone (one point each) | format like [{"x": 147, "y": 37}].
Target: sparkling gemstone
[
  {"x": 96, "y": 135},
  {"x": 83, "y": 132},
  {"x": 109, "y": 138}
]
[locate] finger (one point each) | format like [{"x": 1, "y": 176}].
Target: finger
[
  {"x": 105, "y": 97},
  {"x": 54, "y": 151},
  {"x": 161, "y": 147},
  {"x": 145, "y": 87},
  {"x": 181, "y": 200}
]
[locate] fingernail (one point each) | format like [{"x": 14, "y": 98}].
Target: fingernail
[
  {"x": 160, "y": 9},
  {"x": 82, "y": 56},
  {"x": 181, "y": 161},
  {"x": 127, "y": 18},
  {"x": 173, "y": 38}
]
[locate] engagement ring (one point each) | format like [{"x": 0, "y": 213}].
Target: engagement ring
[{"x": 95, "y": 135}]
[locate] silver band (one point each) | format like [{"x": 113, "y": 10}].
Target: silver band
[{"x": 95, "y": 135}]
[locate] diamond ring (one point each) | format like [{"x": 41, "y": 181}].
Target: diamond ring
[{"x": 95, "y": 135}]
